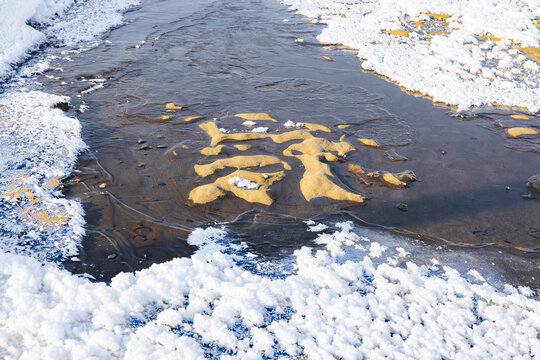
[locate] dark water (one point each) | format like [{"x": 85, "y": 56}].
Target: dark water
[{"x": 219, "y": 58}]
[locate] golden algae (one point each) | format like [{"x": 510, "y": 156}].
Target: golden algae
[
  {"x": 172, "y": 106},
  {"x": 212, "y": 150},
  {"x": 518, "y": 131},
  {"x": 255, "y": 116},
  {"x": 239, "y": 162},
  {"x": 369, "y": 143}
]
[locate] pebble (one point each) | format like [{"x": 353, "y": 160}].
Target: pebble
[
  {"x": 141, "y": 141},
  {"x": 402, "y": 207},
  {"x": 161, "y": 146},
  {"x": 145, "y": 147},
  {"x": 140, "y": 165},
  {"x": 102, "y": 185},
  {"x": 112, "y": 256}
]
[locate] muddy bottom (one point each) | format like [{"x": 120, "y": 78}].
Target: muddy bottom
[{"x": 218, "y": 59}]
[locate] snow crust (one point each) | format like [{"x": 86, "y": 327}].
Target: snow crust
[
  {"x": 25, "y": 25},
  {"x": 38, "y": 146},
  {"x": 226, "y": 303},
  {"x": 456, "y": 66}
]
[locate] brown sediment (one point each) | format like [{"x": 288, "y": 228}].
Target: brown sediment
[
  {"x": 242, "y": 147},
  {"x": 369, "y": 143},
  {"x": 255, "y": 116},
  {"x": 239, "y": 162},
  {"x": 171, "y": 106},
  {"x": 212, "y": 150},
  {"x": 518, "y": 131},
  {"x": 210, "y": 192},
  {"x": 383, "y": 178}
]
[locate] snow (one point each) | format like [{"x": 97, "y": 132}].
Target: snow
[
  {"x": 456, "y": 68},
  {"x": 291, "y": 124},
  {"x": 218, "y": 303},
  {"x": 318, "y": 228},
  {"x": 260, "y": 129},
  {"x": 64, "y": 22},
  {"x": 249, "y": 123},
  {"x": 243, "y": 183}
]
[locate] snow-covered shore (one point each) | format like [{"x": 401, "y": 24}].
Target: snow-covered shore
[{"x": 460, "y": 52}]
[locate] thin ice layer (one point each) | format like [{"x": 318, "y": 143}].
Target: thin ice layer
[
  {"x": 225, "y": 303},
  {"x": 38, "y": 147},
  {"x": 460, "y": 52},
  {"x": 58, "y": 21}
]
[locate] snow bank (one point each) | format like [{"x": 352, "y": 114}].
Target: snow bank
[
  {"x": 38, "y": 147},
  {"x": 484, "y": 52},
  {"x": 226, "y": 303},
  {"x": 25, "y": 25}
]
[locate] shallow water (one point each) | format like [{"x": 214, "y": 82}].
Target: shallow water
[{"x": 219, "y": 58}]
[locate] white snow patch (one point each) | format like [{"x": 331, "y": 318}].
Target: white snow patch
[
  {"x": 243, "y": 183},
  {"x": 260, "y": 129},
  {"x": 318, "y": 228},
  {"x": 249, "y": 123},
  {"x": 456, "y": 68}
]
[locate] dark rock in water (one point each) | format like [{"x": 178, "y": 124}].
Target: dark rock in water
[
  {"x": 402, "y": 207},
  {"x": 533, "y": 184},
  {"x": 64, "y": 106}
]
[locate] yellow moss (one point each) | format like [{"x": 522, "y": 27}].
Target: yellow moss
[
  {"x": 343, "y": 126},
  {"x": 534, "y": 57},
  {"x": 175, "y": 153},
  {"x": 47, "y": 220},
  {"x": 315, "y": 127},
  {"x": 437, "y": 32},
  {"x": 403, "y": 33},
  {"x": 3, "y": 108},
  {"x": 439, "y": 17},
  {"x": 210, "y": 192},
  {"x": 488, "y": 38},
  {"x": 239, "y": 162},
  {"x": 343, "y": 16},
  {"x": 518, "y": 131},
  {"x": 327, "y": 58},
  {"x": 383, "y": 178},
  {"x": 185, "y": 147},
  {"x": 318, "y": 180},
  {"x": 369, "y": 142},
  {"x": 309, "y": 24},
  {"x": 173, "y": 107},
  {"x": 242, "y": 147},
  {"x": 165, "y": 117},
  {"x": 17, "y": 194},
  {"x": 521, "y": 117},
  {"x": 530, "y": 50},
  {"x": 191, "y": 118},
  {"x": 212, "y": 150},
  {"x": 212, "y": 130},
  {"x": 255, "y": 116},
  {"x": 419, "y": 24},
  {"x": 53, "y": 182}
]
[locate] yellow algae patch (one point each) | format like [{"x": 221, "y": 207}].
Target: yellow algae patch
[
  {"x": 17, "y": 194},
  {"x": 3, "y": 108},
  {"x": 383, "y": 178},
  {"x": 242, "y": 147},
  {"x": 318, "y": 180},
  {"x": 403, "y": 33},
  {"x": 191, "y": 118},
  {"x": 173, "y": 107},
  {"x": 309, "y": 24},
  {"x": 47, "y": 220},
  {"x": 437, "y": 32},
  {"x": 343, "y": 126},
  {"x": 530, "y": 50},
  {"x": 53, "y": 182},
  {"x": 327, "y": 58},
  {"x": 175, "y": 153},
  {"x": 534, "y": 57},
  {"x": 520, "y": 117},
  {"x": 419, "y": 23},
  {"x": 239, "y": 162},
  {"x": 343, "y": 16},
  {"x": 185, "y": 147},
  {"x": 165, "y": 117},
  {"x": 212, "y": 130},
  {"x": 488, "y": 38},
  {"x": 255, "y": 116},
  {"x": 518, "y": 131},
  {"x": 315, "y": 127},
  {"x": 210, "y": 192},
  {"x": 212, "y": 150},
  {"x": 369, "y": 142},
  {"x": 438, "y": 17}
]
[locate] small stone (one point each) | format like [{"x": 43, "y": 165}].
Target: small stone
[
  {"x": 161, "y": 146},
  {"x": 506, "y": 188},
  {"x": 140, "y": 141},
  {"x": 102, "y": 185},
  {"x": 533, "y": 184},
  {"x": 443, "y": 152},
  {"x": 112, "y": 256},
  {"x": 140, "y": 165},
  {"x": 145, "y": 147},
  {"x": 402, "y": 207}
]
